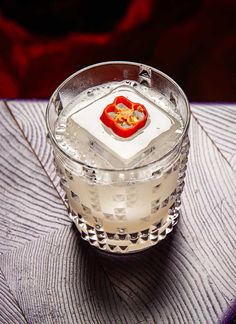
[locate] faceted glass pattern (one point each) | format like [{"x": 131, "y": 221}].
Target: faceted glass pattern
[{"x": 112, "y": 231}]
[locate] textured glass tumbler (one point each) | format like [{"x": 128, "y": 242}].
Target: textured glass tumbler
[{"x": 122, "y": 210}]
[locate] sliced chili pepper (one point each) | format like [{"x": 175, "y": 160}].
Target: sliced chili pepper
[{"x": 124, "y": 117}]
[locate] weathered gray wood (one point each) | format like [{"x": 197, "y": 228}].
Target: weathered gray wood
[
  {"x": 30, "y": 206},
  {"x": 57, "y": 280},
  {"x": 209, "y": 204},
  {"x": 30, "y": 116},
  {"x": 167, "y": 284},
  {"x": 188, "y": 278},
  {"x": 219, "y": 122},
  {"x": 10, "y": 311}
]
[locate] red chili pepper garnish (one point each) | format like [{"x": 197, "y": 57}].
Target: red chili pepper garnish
[{"x": 124, "y": 117}]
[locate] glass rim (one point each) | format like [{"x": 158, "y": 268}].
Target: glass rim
[{"x": 185, "y": 129}]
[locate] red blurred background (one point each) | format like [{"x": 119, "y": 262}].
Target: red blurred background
[{"x": 42, "y": 43}]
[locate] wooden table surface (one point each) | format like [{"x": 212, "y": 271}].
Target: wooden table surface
[{"x": 49, "y": 275}]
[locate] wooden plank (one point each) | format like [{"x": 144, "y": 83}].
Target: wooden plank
[
  {"x": 190, "y": 276},
  {"x": 219, "y": 122},
  {"x": 57, "y": 279},
  {"x": 30, "y": 205},
  {"x": 10, "y": 311}
]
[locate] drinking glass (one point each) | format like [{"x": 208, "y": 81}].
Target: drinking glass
[{"x": 121, "y": 210}]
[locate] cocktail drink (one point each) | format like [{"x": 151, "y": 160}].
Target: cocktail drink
[{"x": 119, "y": 135}]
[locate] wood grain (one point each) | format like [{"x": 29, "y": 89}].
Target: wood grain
[
  {"x": 10, "y": 311},
  {"x": 30, "y": 116},
  {"x": 219, "y": 122},
  {"x": 209, "y": 208},
  {"x": 57, "y": 280},
  {"x": 167, "y": 284},
  {"x": 30, "y": 207},
  {"x": 188, "y": 278}
]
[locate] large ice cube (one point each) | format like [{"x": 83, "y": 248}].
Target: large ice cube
[{"x": 120, "y": 152}]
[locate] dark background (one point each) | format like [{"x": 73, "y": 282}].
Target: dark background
[{"x": 43, "y": 42}]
